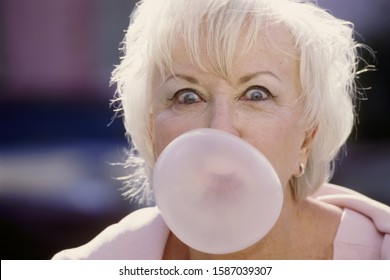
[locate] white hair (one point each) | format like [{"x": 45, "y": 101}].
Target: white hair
[{"x": 328, "y": 68}]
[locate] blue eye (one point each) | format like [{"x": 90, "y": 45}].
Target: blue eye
[
  {"x": 256, "y": 93},
  {"x": 187, "y": 97}
]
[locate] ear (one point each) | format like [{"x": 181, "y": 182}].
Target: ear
[{"x": 305, "y": 149}]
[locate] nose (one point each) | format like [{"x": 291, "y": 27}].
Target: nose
[{"x": 222, "y": 116}]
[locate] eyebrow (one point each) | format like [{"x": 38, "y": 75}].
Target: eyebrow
[
  {"x": 249, "y": 77},
  {"x": 189, "y": 79},
  {"x": 242, "y": 80}
]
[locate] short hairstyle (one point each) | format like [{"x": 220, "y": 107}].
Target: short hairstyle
[{"x": 328, "y": 58}]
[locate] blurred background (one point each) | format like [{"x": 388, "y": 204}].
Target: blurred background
[{"x": 58, "y": 138}]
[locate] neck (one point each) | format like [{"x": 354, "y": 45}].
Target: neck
[
  {"x": 275, "y": 245},
  {"x": 299, "y": 233}
]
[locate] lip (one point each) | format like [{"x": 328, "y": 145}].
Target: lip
[
  {"x": 223, "y": 182},
  {"x": 222, "y": 187}
]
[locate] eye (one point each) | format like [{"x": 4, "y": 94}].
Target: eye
[
  {"x": 187, "y": 97},
  {"x": 256, "y": 93}
]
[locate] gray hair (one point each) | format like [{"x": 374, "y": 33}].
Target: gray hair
[{"x": 328, "y": 68}]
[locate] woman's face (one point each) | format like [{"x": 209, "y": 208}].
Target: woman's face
[{"x": 259, "y": 104}]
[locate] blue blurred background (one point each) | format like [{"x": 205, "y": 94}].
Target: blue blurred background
[{"x": 58, "y": 140}]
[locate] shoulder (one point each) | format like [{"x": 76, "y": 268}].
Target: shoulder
[
  {"x": 140, "y": 235},
  {"x": 364, "y": 230},
  {"x": 357, "y": 237}
]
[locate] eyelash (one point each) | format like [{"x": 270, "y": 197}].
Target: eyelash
[
  {"x": 177, "y": 94},
  {"x": 259, "y": 88}
]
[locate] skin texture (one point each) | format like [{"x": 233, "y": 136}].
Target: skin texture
[{"x": 260, "y": 104}]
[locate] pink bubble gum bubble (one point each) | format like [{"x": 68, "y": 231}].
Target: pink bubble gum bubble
[{"x": 217, "y": 193}]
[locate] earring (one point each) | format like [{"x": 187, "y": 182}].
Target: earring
[{"x": 301, "y": 170}]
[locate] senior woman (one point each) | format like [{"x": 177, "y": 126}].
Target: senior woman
[{"x": 278, "y": 74}]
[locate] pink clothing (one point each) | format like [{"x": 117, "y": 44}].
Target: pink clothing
[
  {"x": 364, "y": 230},
  {"x": 363, "y": 233}
]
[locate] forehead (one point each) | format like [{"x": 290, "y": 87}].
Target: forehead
[{"x": 273, "y": 49}]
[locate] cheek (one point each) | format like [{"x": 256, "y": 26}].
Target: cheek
[
  {"x": 163, "y": 134},
  {"x": 285, "y": 159},
  {"x": 167, "y": 127},
  {"x": 280, "y": 142}
]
